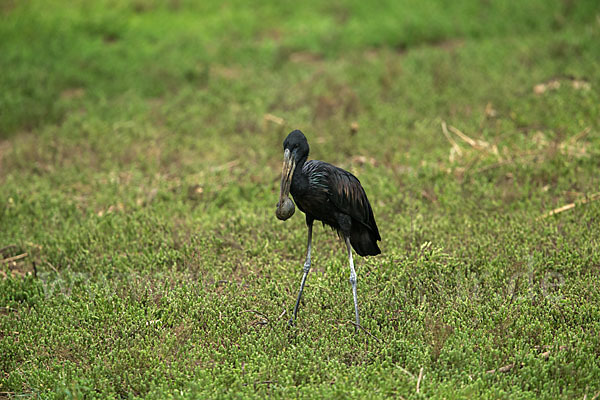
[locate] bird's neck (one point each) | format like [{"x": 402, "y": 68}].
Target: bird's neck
[{"x": 299, "y": 179}]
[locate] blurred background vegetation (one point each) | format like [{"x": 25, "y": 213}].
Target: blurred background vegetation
[{"x": 99, "y": 49}]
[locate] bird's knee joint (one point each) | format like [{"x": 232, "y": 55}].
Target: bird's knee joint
[
  {"x": 353, "y": 279},
  {"x": 307, "y": 266}
]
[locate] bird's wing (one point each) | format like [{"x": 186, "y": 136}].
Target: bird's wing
[{"x": 344, "y": 191}]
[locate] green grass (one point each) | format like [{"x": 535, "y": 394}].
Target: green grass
[{"x": 139, "y": 168}]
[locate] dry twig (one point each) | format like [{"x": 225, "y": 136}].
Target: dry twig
[
  {"x": 468, "y": 140},
  {"x": 257, "y": 313},
  {"x": 274, "y": 119},
  {"x": 15, "y": 258},
  {"x": 282, "y": 314},
  {"x": 407, "y": 372},
  {"x": 365, "y": 331},
  {"x": 10, "y": 246},
  {"x": 52, "y": 267},
  {"x": 578, "y": 136},
  {"x": 588, "y": 199},
  {"x": 419, "y": 380},
  {"x": 545, "y": 355},
  {"x": 455, "y": 145},
  {"x": 505, "y": 368}
]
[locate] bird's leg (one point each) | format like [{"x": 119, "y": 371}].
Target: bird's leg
[
  {"x": 306, "y": 269},
  {"x": 353, "y": 282}
]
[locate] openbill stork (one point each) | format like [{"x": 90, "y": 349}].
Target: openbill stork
[{"x": 331, "y": 195}]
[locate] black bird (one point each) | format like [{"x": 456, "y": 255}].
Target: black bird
[{"x": 331, "y": 195}]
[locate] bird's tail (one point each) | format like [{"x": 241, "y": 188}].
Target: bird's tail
[{"x": 364, "y": 242}]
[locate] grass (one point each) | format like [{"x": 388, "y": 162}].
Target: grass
[{"x": 140, "y": 148}]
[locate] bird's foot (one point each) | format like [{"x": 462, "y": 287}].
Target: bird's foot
[{"x": 291, "y": 322}]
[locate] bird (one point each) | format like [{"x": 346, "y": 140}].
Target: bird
[{"x": 329, "y": 194}]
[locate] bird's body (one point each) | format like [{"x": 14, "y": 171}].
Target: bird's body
[
  {"x": 329, "y": 194},
  {"x": 334, "y": 196}
]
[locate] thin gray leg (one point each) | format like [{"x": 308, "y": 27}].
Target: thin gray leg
[
  {"x": 306, "y": 269},
  {"x": 353, "y": 282}
]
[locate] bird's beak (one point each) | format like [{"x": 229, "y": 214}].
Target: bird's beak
[{"x": 289, "y": 165}]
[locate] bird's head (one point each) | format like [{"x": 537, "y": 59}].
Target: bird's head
[
  {"x": 297, "y": 144},
  {"x": 295, "y": 148}
]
